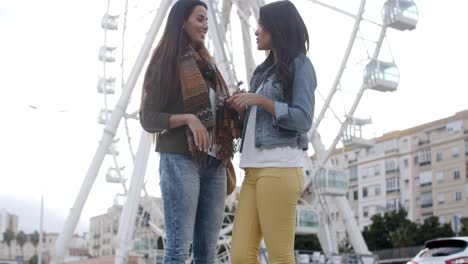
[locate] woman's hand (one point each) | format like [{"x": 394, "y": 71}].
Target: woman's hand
[
  {"x": 239, "y": 110},
  {"x": 242, "y": 100},
  {"x": 200, "y": 133}
]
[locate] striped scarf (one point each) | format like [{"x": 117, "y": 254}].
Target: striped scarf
[{"x": 195, "y": 95}]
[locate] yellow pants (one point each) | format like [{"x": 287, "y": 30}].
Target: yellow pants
[{"x": 266, "y": 208}]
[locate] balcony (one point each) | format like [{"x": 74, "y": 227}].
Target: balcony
[
  {"x": 393, "y": 150},
  {"x": 424, "y": 142},
  {"x": 426, "y": 204},
  {"x": 424, "y": 184},
  {"x": 393, "y": 190},
  {"x": 392, "y": 170},
  {"x": 424, "y": 162}
]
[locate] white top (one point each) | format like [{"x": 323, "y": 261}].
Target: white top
[
  {"x": 252, "y": 157},
  {"x": 214, "y": 149}
]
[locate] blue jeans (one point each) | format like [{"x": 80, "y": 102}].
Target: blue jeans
[{"x": 193, "y": 199}]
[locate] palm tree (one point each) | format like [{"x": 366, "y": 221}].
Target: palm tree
[
  {"x": 21, "y": 239},
  {"x": 8, "y": 236},
  {"x": 35, "y": 240},
  {"x": 34, "y": 260}
]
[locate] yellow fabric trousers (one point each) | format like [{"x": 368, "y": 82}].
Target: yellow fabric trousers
[{"x": 266, "y": 208}]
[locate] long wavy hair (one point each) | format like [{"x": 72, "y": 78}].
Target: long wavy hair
[
  {"x": 162, "y": 74},
  {"x": 289, "y": 36}
]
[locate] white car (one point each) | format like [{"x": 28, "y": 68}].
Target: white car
[{"x": 452, "y": 250}]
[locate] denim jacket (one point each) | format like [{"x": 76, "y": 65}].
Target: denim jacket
[{"x": 292, "y": 120}]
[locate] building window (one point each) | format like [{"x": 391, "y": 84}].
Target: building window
[
  {"x": 391, "y": 145},
  {"x": 391, "y": 165},
  {"x": 393, "y": 184},
  {"x": 466, "y": 147},
  {"x": 353, "y": 174},
  {"x": 356, "y": 195},
  {"x": 424, "y": 156},
  {"x": 455, "y": 152},
  {"x": 439, "y": 156},
  {"x": 377, "y": 190},
  {"x": 364, "y": 192},
  {"x": 454, "y": 127},
  {"x": 365, "y": 212},
  {"x": 392, "y": 204},
  {"x": 364, "y": 172},
  {"x": 426, "y": 199},
  {"x": 406, "y": 163},
  {"x": 425, "y": 178},
  {"x": 377, "y": 170},
  {"x": 456, "y": 174},
  {"x": 458, "y": 196},
  {"x": 441, "y": 198},
  {"x": 440, "y": 176}
]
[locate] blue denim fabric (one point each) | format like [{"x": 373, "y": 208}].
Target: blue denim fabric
[
  {"x": 293, "y": 119},
  {"x": 193, "y": 199}
]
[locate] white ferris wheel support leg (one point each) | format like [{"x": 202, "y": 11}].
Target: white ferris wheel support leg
[
  {"x": 354, "y": 234},
  {"x": 325, "y": 236},
  {"x": 109, "y": 132},
  {"x": 128, "y": 217}
]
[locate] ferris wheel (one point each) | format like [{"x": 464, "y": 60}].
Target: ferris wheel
[{"x": 127, "y": 45}]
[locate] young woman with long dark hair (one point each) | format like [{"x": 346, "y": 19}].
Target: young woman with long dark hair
[
  {"x": 183, "y": 104},
  {"x": 278, "y": 111}
]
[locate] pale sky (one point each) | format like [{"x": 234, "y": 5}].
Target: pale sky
[{"x": 48, "y": 59}]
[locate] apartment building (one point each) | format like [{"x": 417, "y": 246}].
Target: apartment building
[
  {"x": 422, "y": 169},
  {"x": 104, "y": 228},
  {"x": 8, "y": 221}
]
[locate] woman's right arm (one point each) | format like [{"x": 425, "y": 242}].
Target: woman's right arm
[
  {"x": 154, "y": 122},
  {"x": 199, "y": 131}
]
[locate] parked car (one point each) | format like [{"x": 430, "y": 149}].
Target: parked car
[{"x": 452, "y": 250}]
